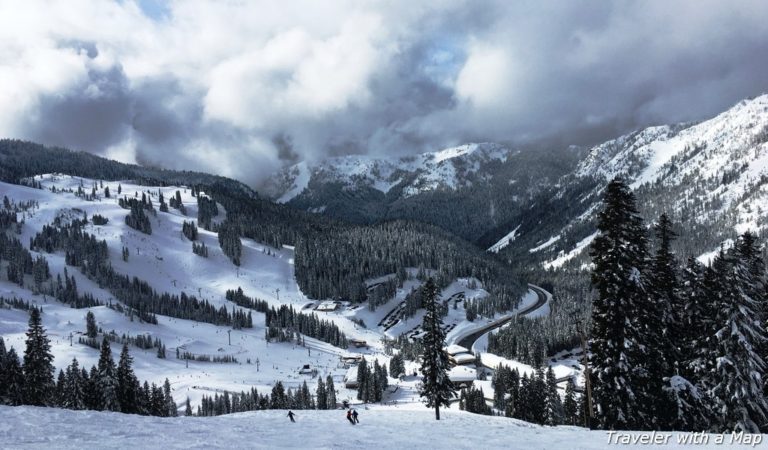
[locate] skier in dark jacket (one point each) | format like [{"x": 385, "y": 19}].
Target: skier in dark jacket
[
  {"x": 290, "y": 416},
  {"x": 354, "y": 415},
  {"x": 349, "y": 417}
]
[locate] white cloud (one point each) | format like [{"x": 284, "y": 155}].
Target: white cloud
[{"x": 211, "y": 85}]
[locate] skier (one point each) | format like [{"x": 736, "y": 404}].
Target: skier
[
  {"x": 349, "y": 417},
  {"x": 290, "y": 416},
  {"x": 354, "y": 416}
]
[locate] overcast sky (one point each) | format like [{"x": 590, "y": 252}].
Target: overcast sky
[{"x": 240, "y": 88}]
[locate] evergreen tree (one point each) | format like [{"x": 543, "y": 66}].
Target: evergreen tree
[
  {"x": 38, "y": 364},
  {"x": 363, "y": 379},
  {"x": 106, "y": 380},
  {"x": 660, "y": 335},
  {"x": 322, "y": 398},
  {"x": 170, "y": 410},
  {"x": 618, "y": 309},
  {"x": 3, "y": 370},
  {"x": 396, "y": 366},
  {"x": 187, "y": 408},
  {"x": 331, "y": 390},
  {"x": 58, "y": 399},
  {"x": 91, "y": 330},
  {"x": 279, "y": 399},
  {"x": 554, "y": 409},
  {"x": 570, "y": 405},
  {"x": 74, "y": 395},
  {"x": 14, "y": 378},
  {"x": 127, "y": 383},
  {"x": 738, "y": 390},
  {"x": 436, "y": 387}
]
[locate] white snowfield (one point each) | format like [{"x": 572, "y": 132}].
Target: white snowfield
[
  {"x": 165, "y": 260},
  {"x": 380, "y": 428}
]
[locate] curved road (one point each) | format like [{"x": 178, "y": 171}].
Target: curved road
[{"x": 469, "y": 340}]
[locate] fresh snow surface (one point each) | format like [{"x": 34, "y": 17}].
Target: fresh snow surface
[
  {"x": 380, "y": 428},
  {"x": 546, "y": 244},
  {"x": 565, "y": 257},
  {"x": 430, "y": 171},
  {"x": 503, "y": 242},
  {"x": 165, "y": 260},
  {"x": 300, "y": 182}
]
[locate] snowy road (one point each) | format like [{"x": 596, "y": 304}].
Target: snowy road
[{"x": 542, "y": 295}]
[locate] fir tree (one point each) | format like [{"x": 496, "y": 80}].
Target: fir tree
[
  {"x": 91, "y": 330},
  {"x": 322, "y": 398},
  {"x": 554, "y": 409},
  {"x": 171, "y": 410},
  {"x": 737, "y": 390},
  {"x": 617, "y": 358},
  {"x": 14, "y": 379},
  {"x": 38, "y": 364},
  {"x": 106, "y": 380},
  {"x": 363, "y": 378},
  {"x": 436, "y": 387},
  {"x": 396, "y": 366},
  {"x": 74, "y": 395},
  {"x": 187, "y": 408},
  {"x": 127, "y": 383},
  {"x": 331, "y": 401},
  {"x": 570, "y": 405}
]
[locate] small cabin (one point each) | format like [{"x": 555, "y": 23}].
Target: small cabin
[
  {"x": 351, "y": 360},
  {"x": 358, "y": 343},
  {"x": 455, "y": 349},
  {"x": 461, "y": 359},
  {"x": 306, "y": 369},
  {"x": 327, "y": 306},
  {"x": 462, "y": 376}
]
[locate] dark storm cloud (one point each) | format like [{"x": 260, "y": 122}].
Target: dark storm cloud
[
  {"x": 91, "y": 115},
  {"x": 232, "y": 89}
]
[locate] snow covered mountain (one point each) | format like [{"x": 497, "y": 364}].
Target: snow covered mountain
[
  {"x": 447, "y": 169},
  {"x": 710, "y": 178},
  {"x": 467, "y": 190}
]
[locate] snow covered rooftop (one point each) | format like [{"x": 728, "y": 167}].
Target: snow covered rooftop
[{"x": 455, "y": 348}]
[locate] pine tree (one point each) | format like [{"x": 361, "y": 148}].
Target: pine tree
[
  {"x": 58, "y": 399},
  {"x": 171, "y": 410},
  {"x": 331, "y": 390},
  {"x": 362, "y": 381},
  {"x": 91, "y": 330},
  {"x": 617, "y": 357},
  {"x": 660, "y": 335},
  {"x": 187, "y": 408},
  {"x": 554, "y": 409},
  {"x": 570, "y": 405},
  {"x": 322, "y": 399},
  {"x": 396, "y": 366},
  {"x": 737, "y": 390},
  {"x": 3, "y": 371},
  {"x": 436, "y": 387},
  {"x": 106, "y": 380},
  {"x": 74, "y": 395},
  {"x": 14, "y": 377},
  {"x": 127, "y": 383},
  {"x": 279, "y": 399},
  {"x": 38, "y": 364}
]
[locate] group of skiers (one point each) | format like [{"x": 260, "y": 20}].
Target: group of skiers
[{"x": 351, "y": 416}]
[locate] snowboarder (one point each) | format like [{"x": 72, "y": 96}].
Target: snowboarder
[
  {"x": 349, "y": 417},
  {"x": 290, "y": 416},
  {"x": 354, "y": 416}
]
